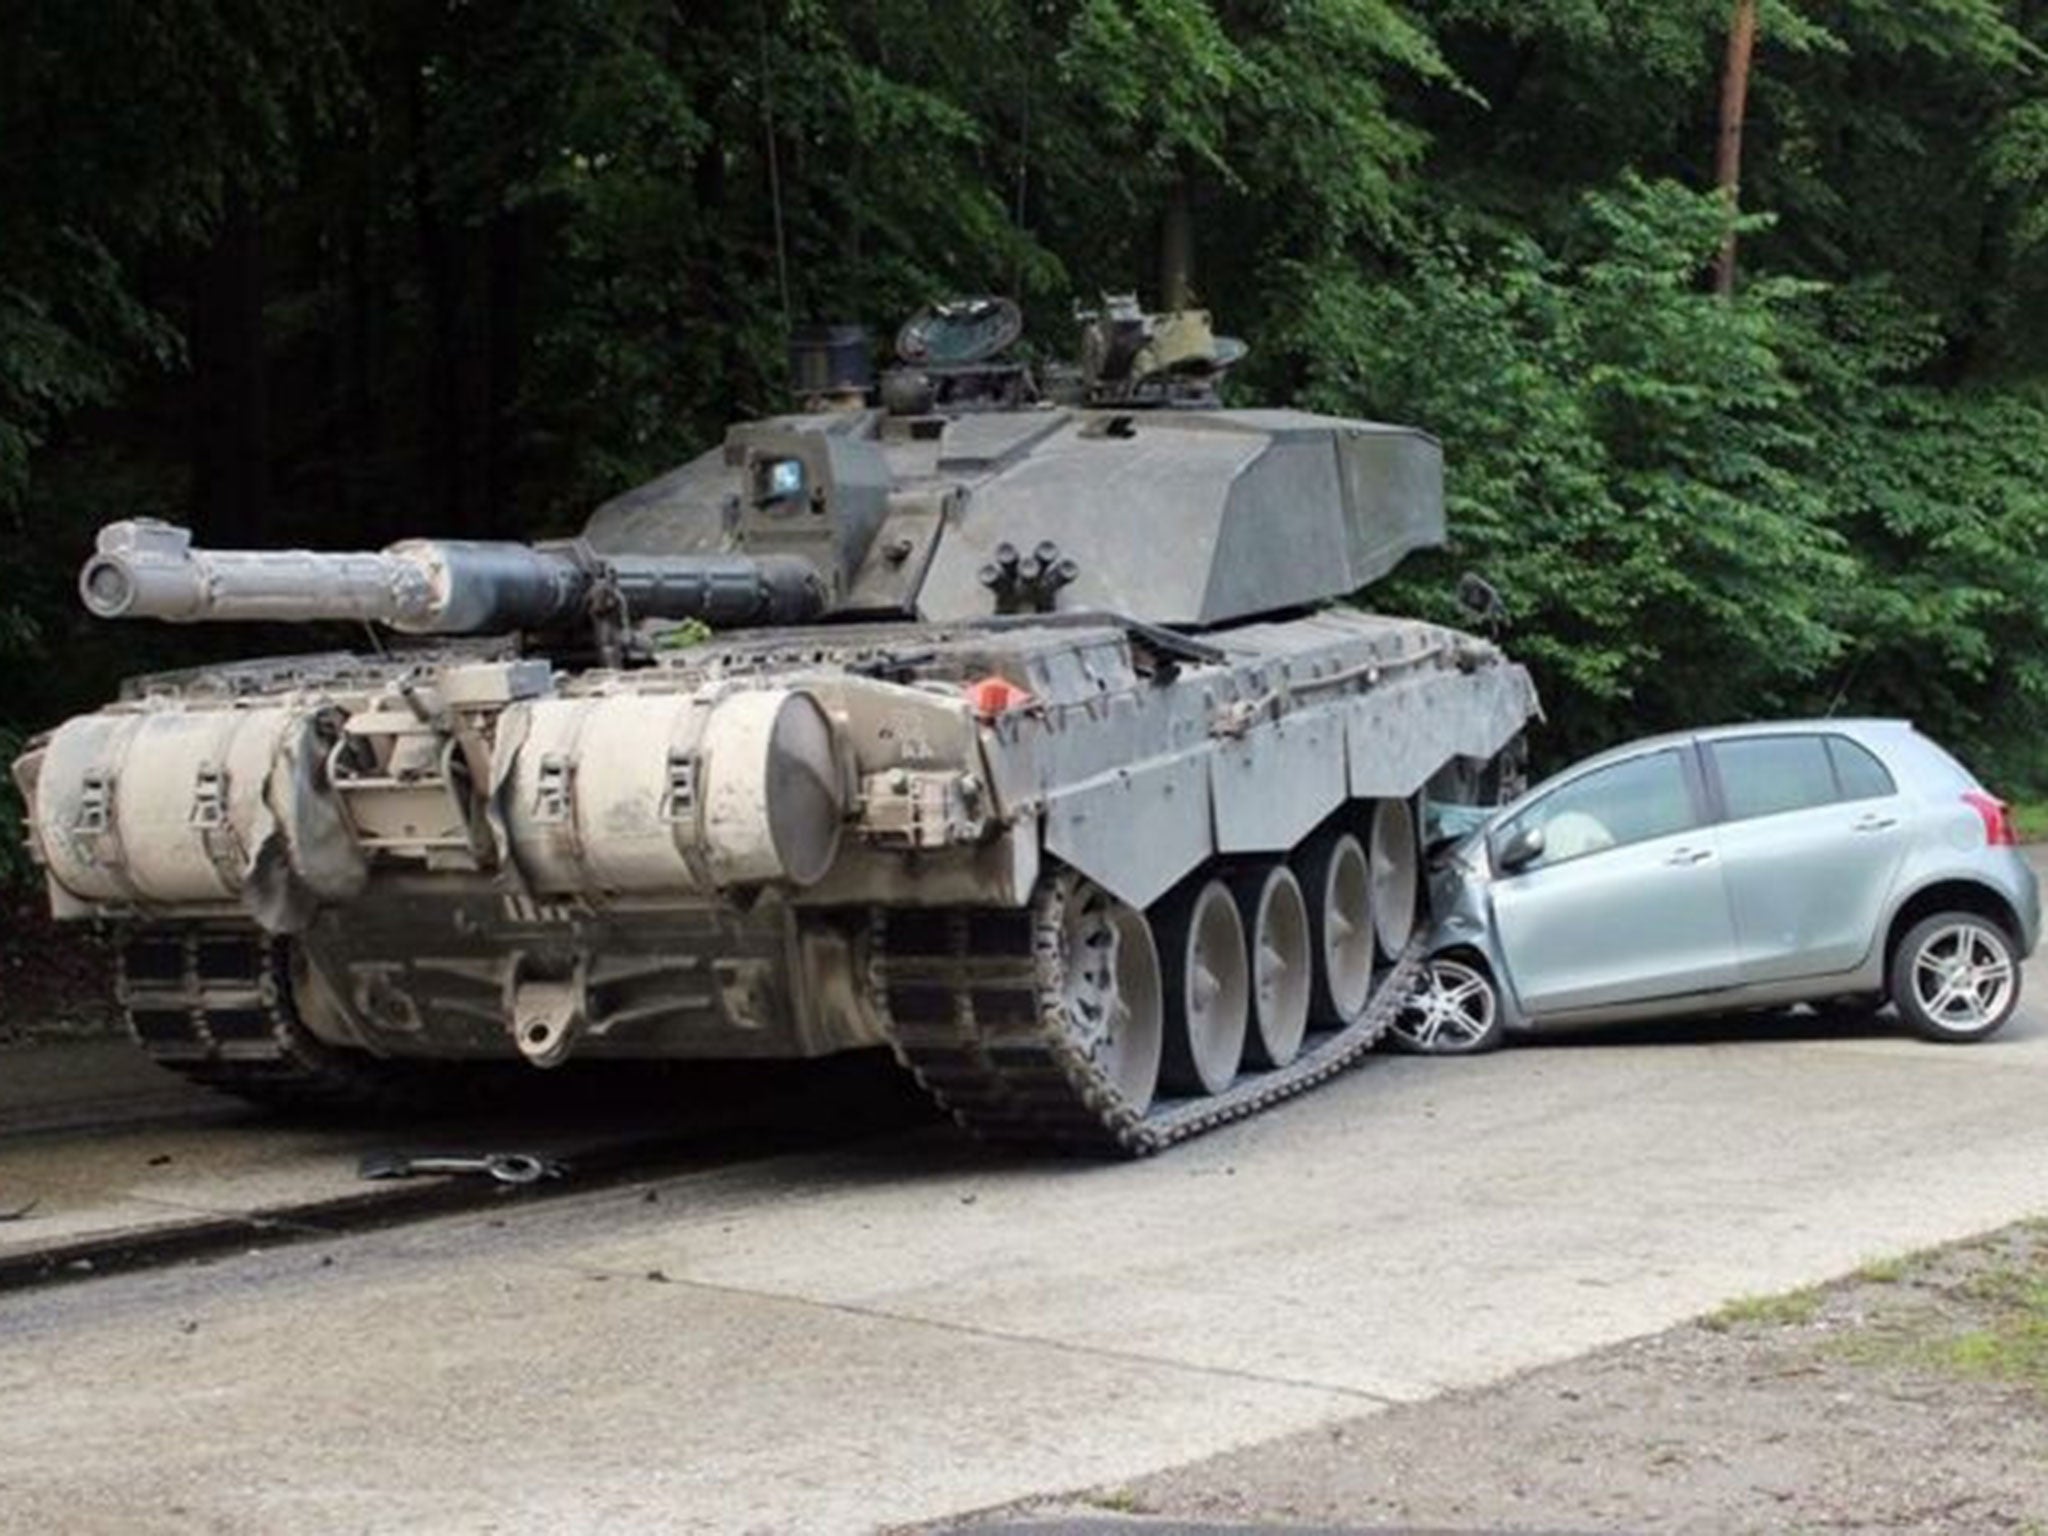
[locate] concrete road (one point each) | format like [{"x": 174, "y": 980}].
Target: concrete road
[
  {"x": 116, "y": 1159},
  {"x": 914, "y": 1328}
]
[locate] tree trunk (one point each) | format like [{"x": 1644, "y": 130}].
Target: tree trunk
[{"x": 1728, "y": 156}]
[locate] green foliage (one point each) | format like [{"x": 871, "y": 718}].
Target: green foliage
[
  {"x": 1162, "y": 76},
  {"x": 130, "y": 127},
  {"x": 1702, "y": 510},
  {"x": 1630, "y": 459},
  {"x": 2030, "y": 820},
  {"x": 1943, "y": 496},
  {"x": 1269, "y": 97},
  {"x": 339, "y": 273}
]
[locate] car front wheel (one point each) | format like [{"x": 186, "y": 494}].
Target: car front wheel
[
  {"x": 1955, "y": 977},
  {"x": 1453, "y": 1011}
]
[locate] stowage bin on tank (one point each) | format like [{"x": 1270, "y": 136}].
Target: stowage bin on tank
[{"x": 1023, "y": 735}]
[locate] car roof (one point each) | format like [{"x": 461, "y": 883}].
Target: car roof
[{"x": 1862, "y": 726}]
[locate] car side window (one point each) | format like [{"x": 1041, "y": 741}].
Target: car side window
[
  {"x": 1628, "y": 802},
  {"x": 1860, "y": 774},
  {"x": 1769, "y": 775}
]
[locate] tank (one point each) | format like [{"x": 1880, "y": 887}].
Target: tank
[{"x": 1018, "y": 725}]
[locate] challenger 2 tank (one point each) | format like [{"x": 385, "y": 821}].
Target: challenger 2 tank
[{"x": 1021, "y": 732}]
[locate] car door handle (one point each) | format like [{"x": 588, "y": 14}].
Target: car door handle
[
  {"x": 1686, "y": 856},
  {"x": 1875, "y": 823}
]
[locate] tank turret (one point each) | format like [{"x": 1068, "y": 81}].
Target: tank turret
[
  {"x": 966, "y": 499},
  {"x": 1007, "y": 721},
  {"x": 1145, "y": 496}
]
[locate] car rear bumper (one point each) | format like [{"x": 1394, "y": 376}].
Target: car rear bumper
[{"x": 2026, "y": 896}]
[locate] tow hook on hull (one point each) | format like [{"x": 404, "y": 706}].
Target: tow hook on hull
[{"x": 546, "y": 1014}]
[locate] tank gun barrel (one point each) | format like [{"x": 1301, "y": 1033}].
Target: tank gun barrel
[{"x": 148, "y": 569}]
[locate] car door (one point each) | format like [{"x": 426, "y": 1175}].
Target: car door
[
  {"x": 1626, "y": 902},
  {"x": 1812, "y": 841}
]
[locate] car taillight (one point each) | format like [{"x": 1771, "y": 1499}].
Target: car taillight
[{"x": 1998, "y": 831}]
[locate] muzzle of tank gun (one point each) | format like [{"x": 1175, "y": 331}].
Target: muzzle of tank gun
[{"x": 148, "y": 569}]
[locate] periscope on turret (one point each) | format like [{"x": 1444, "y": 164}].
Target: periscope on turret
[{"x": 1015, "y": 724}]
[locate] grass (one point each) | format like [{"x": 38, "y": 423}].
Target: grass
[
  {"x": 2010, "y": 1343},
  {"x": 1990, "y": 1323},
  {"x": 1118, "y": 1501},
  {"x": 1882, "y": 1271},
  {"x": 1788, "y": 1310},
  {"x": 2030, "y": 820}
]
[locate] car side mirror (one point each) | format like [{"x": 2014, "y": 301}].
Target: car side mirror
[{"x": 1524, "y": 848}]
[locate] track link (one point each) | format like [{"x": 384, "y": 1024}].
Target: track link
[
  {"x": 214, "y": 1005},
  {"x": 970, "y": 997}
]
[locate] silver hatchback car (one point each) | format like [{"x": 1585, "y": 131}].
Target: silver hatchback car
[{"x": 1848, "y": 862}]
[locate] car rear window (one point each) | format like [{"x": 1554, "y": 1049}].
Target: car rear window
[
  {"x": 1861, "y": 775},
  {"x": 1769, "y": 775}
]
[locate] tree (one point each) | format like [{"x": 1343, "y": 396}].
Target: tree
[{"x": 336, "y": 273}]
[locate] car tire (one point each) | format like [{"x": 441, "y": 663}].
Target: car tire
[
  {"x": 1454, "y": 1010},
  {"x": 1955, "y": 977}
]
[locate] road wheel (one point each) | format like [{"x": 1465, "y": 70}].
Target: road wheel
[
  {"x": 1955, "y": 977},
  {"x": 1396, "y": 875},
  {"x": 1106, "y": 981},
  {"x": 1208, "y": 987},
  {"x": 1336, "y": 881},
  {"x": 1453, "y": 1011},
  {"x": 1275, "y": 915}
]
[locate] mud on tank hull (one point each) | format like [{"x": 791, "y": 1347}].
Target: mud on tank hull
[{"x": 1094, "y": 883}]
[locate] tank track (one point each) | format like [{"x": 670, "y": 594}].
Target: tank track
[
  {"x": 971, "y": 1014},
  {"x": 970, "y": 996},
  {"x": 214, "y": 1005}
]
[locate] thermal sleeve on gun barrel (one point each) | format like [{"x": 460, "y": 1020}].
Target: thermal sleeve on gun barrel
[
  {"x": 720, "y": 590},
  {"x": 148, "y": 569}
]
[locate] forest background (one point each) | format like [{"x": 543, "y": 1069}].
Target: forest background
[{"x": 335, "y": 271}]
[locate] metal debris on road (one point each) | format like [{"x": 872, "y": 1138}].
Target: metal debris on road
[{"x": 505, "y": 1167}]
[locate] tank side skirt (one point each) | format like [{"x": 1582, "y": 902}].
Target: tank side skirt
[{"x": 1140, "y": 789}]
